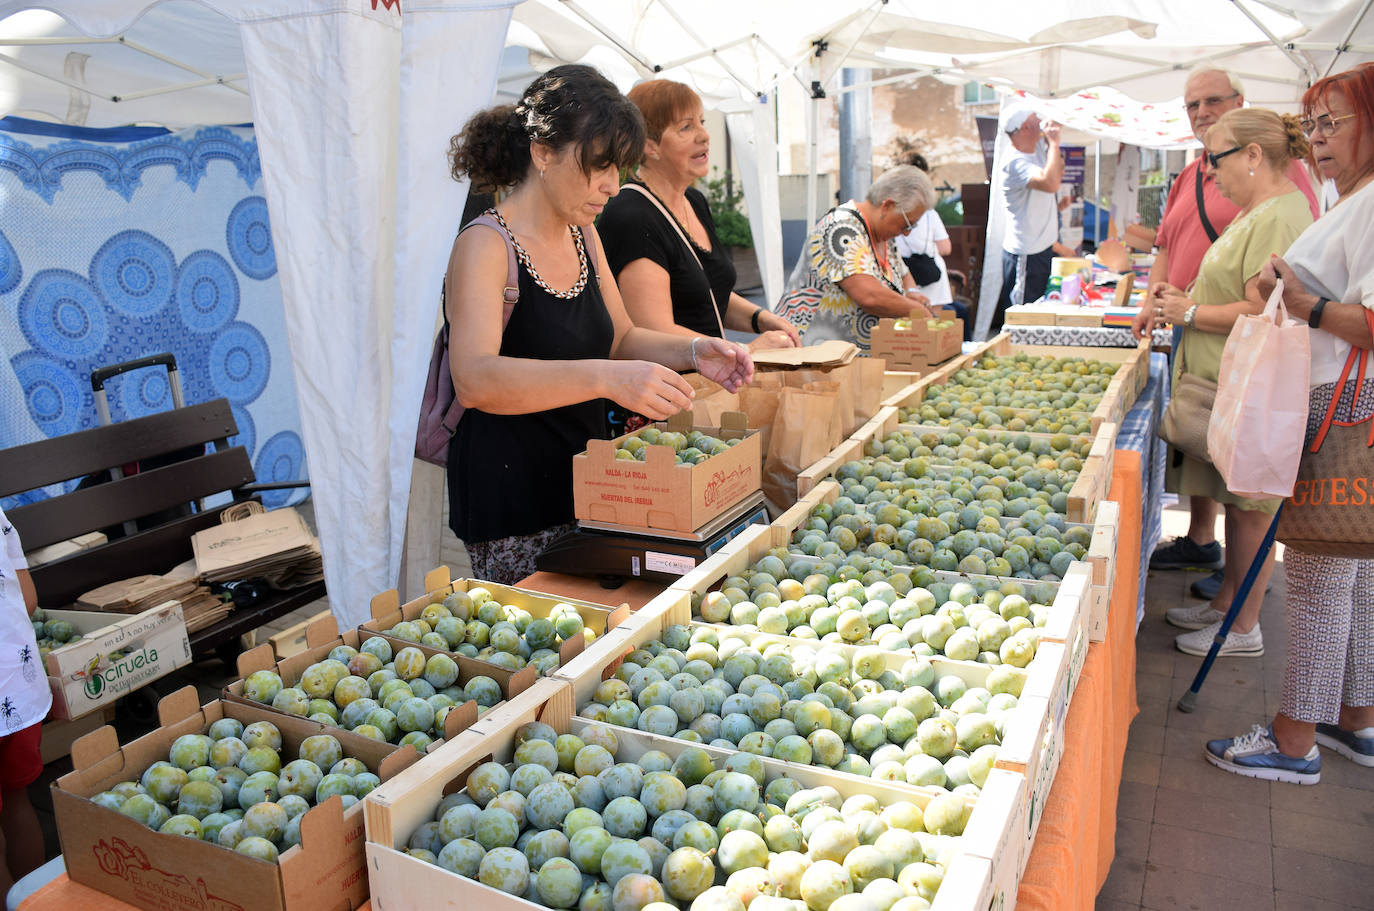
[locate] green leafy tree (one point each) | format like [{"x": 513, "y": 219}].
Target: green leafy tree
[{"x": 732, "y": 225}]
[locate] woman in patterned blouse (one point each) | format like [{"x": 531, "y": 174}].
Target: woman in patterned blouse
[{"x": 850, "y": 274}]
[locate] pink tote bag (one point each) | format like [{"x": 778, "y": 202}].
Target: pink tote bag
[{"x": 1259, "y": 419}]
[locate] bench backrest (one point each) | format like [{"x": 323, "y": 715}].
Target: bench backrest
[{"x": 138, "y": 496}]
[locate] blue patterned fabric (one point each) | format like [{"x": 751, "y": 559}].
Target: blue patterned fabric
[
  {"x": 1139, "y": 432},
  {"x": 116, "y": 244}
]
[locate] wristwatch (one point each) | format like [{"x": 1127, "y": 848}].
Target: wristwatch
[{"x": 1188, "y": 316}]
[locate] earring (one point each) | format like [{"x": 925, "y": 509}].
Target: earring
[
  {"x": 1252, "y": 172},
  {"x": 541, "y": 173}
]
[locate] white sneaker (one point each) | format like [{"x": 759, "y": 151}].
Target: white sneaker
[
  {"x": 1244, "y": 645},
  {"x": 1193, "y": 616}
]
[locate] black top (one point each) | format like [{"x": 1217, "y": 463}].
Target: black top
[
  {"x": 511, "y": 474},
  {"x": 631, "y": 228}
]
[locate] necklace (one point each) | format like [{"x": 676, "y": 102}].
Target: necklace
[
  {"x": 524, "y": 258},
  {"x": 680, "y": 223}
]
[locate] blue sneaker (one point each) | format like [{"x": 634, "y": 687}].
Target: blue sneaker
[
  {"x": 1256, "y": 755},
  {"x": 1357, "y": 746}
]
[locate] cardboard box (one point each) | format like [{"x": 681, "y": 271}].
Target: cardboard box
[
  {"x": 116, "y": 855},
  {"x": 401, "y": 882},
  {"x": 658, "y": 492},
  {"x": 117, "y": 654},
  {"x": 387, "y": 611},
  {"x": 917, "y": 347},
  {"x": 322, "y": 637}
]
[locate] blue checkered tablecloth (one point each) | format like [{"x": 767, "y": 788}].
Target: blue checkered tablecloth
[{"x": 1138, "y": 432}]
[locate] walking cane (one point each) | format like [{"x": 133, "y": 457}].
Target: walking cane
[{"x": 1188, "y": 701}]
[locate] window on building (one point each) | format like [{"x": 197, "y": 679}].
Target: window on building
[{"x": 978, "y": 93}]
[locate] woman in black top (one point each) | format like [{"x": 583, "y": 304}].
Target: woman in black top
[
  {"x": 664, "y": 285},
  {"x": 532, "y": 391}
]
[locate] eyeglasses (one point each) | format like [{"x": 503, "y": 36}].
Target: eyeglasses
[
  {"x": 1215, "y": 160},
  {"x": 1211, "y": 101},
  {"x": 905, "y": 219},
  {"x": 1325, "y": 124}
]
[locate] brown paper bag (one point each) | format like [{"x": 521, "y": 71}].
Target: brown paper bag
[
  {"x": 868, "y": 387},
  {"x": 712, "y": 400},
  {"x": 760, "y": 406},
  {"x": 834, "y": 431},
  {"x": 795, "y": 444},
  {"x": 842, "y": 378}
]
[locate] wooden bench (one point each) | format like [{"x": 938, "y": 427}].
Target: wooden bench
[{"x": 156, "y": 507}]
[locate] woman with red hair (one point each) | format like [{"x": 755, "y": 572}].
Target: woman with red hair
[{"x": 1328, "y": 280}]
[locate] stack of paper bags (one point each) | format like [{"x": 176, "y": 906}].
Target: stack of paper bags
[
  {"x": 199, "y": 607},
  {"x": 276, "y": 546}
]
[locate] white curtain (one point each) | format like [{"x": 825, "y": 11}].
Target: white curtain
[
  {"x": 755, "y": 144},
  {"x": 997, "y": 222}
]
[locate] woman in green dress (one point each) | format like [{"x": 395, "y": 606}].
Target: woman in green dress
[{"x": 1248, "y": 150}]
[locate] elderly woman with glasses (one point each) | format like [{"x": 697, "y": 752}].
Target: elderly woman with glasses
[
  {"x": 1328, "y": 280},
  {"x": 1247, "y": 153},
  {"x": 850, "y": 273}
]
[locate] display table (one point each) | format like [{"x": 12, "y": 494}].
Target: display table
[
  {"x": 1087, "y": 336},
  {"x": 1076, "y": 841},
  {"x": 1139, "y": 432}
]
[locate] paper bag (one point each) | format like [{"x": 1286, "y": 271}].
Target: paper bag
[
  {"x": 760, "y": 405},
  {"x": 867, "y": 375},
  {"x": 840, "y": 385},
  {"x": 795, "y": 444},
  {"x": 712, "y": 400},
  {"x": 1255, "y": 434}
]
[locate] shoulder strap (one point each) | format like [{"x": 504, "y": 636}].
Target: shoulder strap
[
  {"x": 715, "y": 308},
  {"x": 512, "y": 290},
  {"x": 1202, "y": 209}
]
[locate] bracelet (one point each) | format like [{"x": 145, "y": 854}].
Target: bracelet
[
  {"x": 1314, "y": 319},
  {"x": 694, "y": 353},
  {"x": 754, "y": 320}
]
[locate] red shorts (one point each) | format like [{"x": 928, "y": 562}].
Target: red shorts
[{"x": 21, "y": 761}]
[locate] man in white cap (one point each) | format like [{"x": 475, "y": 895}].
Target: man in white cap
[
  {"x": 1030, "y": 182},
  {"x": 1195, "y": 214}
]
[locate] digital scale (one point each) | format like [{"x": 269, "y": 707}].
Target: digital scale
[{"x": 615, "y": 553}]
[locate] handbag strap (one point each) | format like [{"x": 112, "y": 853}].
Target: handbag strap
[
  {"x": 1202, "y": 209},
  {"x": 663, "y": 210},
  {"x": 1338, "y": 393}
]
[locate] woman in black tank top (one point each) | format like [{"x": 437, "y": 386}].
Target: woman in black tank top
[{"x": 533, "y": 390}]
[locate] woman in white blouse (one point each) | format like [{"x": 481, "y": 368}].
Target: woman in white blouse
[{"x": 1328, "y": 277}]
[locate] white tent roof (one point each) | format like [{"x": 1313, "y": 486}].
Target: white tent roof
[{"x": 353, "y": 101}]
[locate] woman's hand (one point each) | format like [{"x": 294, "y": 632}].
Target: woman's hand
[
  {"x": 724, "y": 362},
  {"x": 1295, "y": 296},
  {"x": 655, "y": 391},
  {"x": 770, "y": 324},
  {"x": 1171, "y": 304},
  {"x": 773, "y": 338},
  {"x": 1143, "y": 323}
]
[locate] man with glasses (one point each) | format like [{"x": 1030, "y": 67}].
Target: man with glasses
[
  {"x": 1195, "y": 214},
  {"x": 1030, "y": 182}
]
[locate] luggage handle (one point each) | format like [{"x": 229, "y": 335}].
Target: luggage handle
[{"x": 101, "y": 374}]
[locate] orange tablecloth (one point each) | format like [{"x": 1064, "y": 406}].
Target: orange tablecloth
[
  {"x": 1075, "y": 844},
  {"x": 1076, "y": 841}
]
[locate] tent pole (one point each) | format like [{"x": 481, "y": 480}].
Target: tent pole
[
  {"x": 812, "y": 161},
  {"x": 1097, "y": 191},
  {"x": 1340, "y": 48},
  {"x": 711, "y": 51},
  {"x": 839, "y": 64},
  {"x": 1283, "y": 46}
]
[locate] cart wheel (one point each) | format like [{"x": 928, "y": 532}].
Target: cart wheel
[
  {"x": 229, "y": 652},
  {"x": 140, "y": 706}
]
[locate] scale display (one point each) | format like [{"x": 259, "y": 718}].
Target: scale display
[{"x": 614, "y": 553}]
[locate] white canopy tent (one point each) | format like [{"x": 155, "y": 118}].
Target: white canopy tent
[{"x": 353, "y": 101}]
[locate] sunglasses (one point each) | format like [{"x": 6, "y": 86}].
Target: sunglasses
[
  {"x": 1215, "y": 159},
  {"x": 1325, "y": 124}
]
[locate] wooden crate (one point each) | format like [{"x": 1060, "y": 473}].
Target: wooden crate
[
  {"x": 387, "y": 610},
  {"x": 1102, "y": 556},
  {"x": 396, "y": 809}
]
